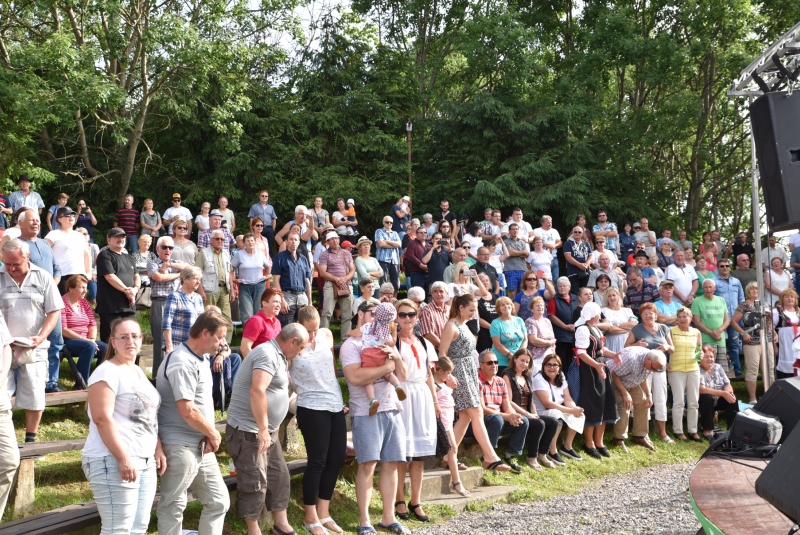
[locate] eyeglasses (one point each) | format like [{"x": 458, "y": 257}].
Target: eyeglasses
[
  {"x": 128, "y": 337},
  {"x": 264, "y": 196},
  {"x": 167, "y": 247},
  {"x": 176, "y": 200},
  {"x": 726, "y": 266},
  {"x": 404, "y": 315},
  {"x": 577, "y": 232},
  {"x": 258, "y": 226},
  {"x": 552, "y": 365},
  {"x": 68, "y": 215},
  {"x": 387, "y": 222},
  {"x": 217, "y": 239},
  {"x": 531, "y": 279},
  {"x": 181, "y": 228},
  {"x": 490, "y": 362}
]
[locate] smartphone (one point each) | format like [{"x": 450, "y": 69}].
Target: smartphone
[
  {"x": 470, "y": 272},
  {"x": 442, "y": 242}
]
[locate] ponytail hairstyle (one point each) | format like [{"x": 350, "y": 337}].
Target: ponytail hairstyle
[{"x": 458, "y": 303}]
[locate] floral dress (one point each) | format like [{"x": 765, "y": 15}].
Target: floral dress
[{"x": 468, "y": 392}]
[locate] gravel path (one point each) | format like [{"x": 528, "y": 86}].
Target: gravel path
[{"x": 652, "y": 500}]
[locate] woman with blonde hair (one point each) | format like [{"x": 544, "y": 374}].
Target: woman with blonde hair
[
  {"x": 751, "y": 342},
  {"x": 202, "y": 218},
  {"x": 185, "y": 249},
  {"x": 683, "y": 375},
  {"x": 508, "y": 332},
  {"x": 786, "y": 319},
  {"x": 622, "y": 320}
]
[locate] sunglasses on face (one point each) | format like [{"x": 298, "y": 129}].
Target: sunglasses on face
[
  {"x": 404, "y": 315},
  {"x": 181, "y": 228},
  {"x": 490, "y": 362},
  {"x": 176, "y": 200},
  {"x": 531, "y": 279},
  {"x": 167, "y": 247},
  {"x": 258, "y": 226},
  {"x": 552, "y": 365}
]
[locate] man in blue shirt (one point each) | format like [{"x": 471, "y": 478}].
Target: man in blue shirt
[
  {"x": 608, "y": 230},
  {"x": 42, "y": 256},
  {"x": 388, "y": 244},
  {"x": 730, "y": 289},
  {"x": 291, "y": 272}
]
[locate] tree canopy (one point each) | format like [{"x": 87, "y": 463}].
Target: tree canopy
[{"x": 557, "y": 106}]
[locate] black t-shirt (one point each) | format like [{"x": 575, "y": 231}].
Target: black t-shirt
[
  {"x": 487, "y": 311},
  {"x": 109, "y": 299},
  {"x": 738, "y": 249},
  {"x": 449, "y": 216}
]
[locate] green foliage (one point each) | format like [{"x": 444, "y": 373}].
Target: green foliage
[{"x": 556, "y": 107}]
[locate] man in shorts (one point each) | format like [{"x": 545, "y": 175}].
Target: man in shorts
[{"x": 379, "y": 437}]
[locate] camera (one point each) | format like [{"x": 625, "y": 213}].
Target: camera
[{"x": 442, "y": 242}]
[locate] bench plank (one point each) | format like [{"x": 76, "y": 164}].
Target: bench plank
[
  {"x": 28, "y": 450},
  {"x": 60, "y": 398}
]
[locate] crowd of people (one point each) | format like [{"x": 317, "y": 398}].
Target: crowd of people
[{"x": 490, "y": 342}]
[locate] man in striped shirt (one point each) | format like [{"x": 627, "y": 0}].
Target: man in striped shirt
[
  {"x": 433, "y": 317},
  {"x": 127, "y": 218}
]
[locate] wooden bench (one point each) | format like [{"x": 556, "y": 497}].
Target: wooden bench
[
  {"x": 83, "y": 515},
  {"x": 60, "y": 398}
]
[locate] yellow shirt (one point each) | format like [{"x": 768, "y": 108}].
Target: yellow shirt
[{"x": 687, "y": 350}]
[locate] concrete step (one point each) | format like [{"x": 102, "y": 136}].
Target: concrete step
[
  {"x": 436, "y": 481},
  {"x": 458, "y": 503}
]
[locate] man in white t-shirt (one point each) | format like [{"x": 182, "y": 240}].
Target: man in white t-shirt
[
  {"x": 228, "y": 217},
  {"x": 525, "y": 232},
  {"x": 176, "y": 212},
  {"x": 773, "y": 251},
  {"x": 685, "y": 278},
  {"x": 551, "y": 240}
]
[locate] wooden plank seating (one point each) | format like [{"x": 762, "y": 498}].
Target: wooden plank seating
[
  {"x": 60, "y": 398},
  {"x": 83, "y": 515}
]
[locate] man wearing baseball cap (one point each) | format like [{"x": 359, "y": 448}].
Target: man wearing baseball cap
[
  {"x": 117, "y": 282},
  {"x": 215, "y": 223},
  {"x": 176, "y": 212},
  {"x": 24, "y": 196},
  {"x": 337, "y": 268}
]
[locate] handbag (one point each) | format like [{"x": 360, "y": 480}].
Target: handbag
[
  {"x": 23, "y": 352},
  {"x": 143, "y": 298},
  {"x": 342, "y": 289},
  {"x": 442, "y": 440}
]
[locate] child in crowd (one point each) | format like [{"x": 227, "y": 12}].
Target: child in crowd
[
  {"x": 444, "y": 395},
  {"x": 379, "y": 334},
  {"x": 350, "y": 213}
]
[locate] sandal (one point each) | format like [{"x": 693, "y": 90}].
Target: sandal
[
  {"x": 496, "y": 466},
  {"x": 413, "y": 508},
  {"x": 310, "y": 528},
  {"x": 461, "y": 466},
  {"x": 401, "y": 516},
  {"x": 667, "y": 439},
  {"x": 276, "y": 531},
  {"x": 396, "y": 527},
  {"x": 373, "y": 406},
  {"x": 330, "y": 524},
  {"x": 463, "y": 491},
  {"x": 365, "y": 530}
]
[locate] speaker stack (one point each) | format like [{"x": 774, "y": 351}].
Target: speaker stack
[
  {"x": 776, "y": 130},
  {"x": 779, "y": 483}
]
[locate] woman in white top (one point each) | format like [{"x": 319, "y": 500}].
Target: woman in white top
[
  {"x": 320, "y": 417},
  {"x": 123, "y": 452},
  {"x": 786, "y": 319},
  {"x": 551, "y": 398},
  {"x": 202, "y": 218},
  {"x": 420, "y": 408},
  {"x": 653, "y": 262},
  {"x": 463, "y": 284},
  {"x": 776, "y": 280},
  {"x": 622, "y": 320},
  {"x": 69, "y": 248},
  {"x": 250, "y": 271},
  {"x": 540, "y": 260},
  {"x": 475, "y": 241}
]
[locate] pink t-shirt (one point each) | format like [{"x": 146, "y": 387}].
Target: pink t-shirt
[
  {"x": 259, "y": 328},
  {"x": 444, "y": 395}
]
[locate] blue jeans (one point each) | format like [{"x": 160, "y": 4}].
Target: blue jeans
[
  {"x": 124, "y": 507},
  {"x": 416, "y": 279},
  {"x": 86, "y": 351},
  {"x": 554, "y": 269},
  {"x": 496, "y": 426},
  {"x": 250, "y": 299},
  {"x": 91, "y": 289},
  {"x": 391, "y": 272},
  {"x": 733, "y": 342},
  {"x": 132, "y": 244},
  {"x": 53, "y": 357}
]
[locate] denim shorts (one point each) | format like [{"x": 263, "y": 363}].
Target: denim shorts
[{"x": 381, "y": 437}]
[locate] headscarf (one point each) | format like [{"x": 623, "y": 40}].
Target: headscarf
[{"x": 590, "y": 310}]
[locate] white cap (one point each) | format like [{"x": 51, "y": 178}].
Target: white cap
[
  {"x": 331, "y": 234},
  {"x": 351, "y": 201}
]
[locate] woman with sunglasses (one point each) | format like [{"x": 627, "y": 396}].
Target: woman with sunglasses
[
  {"x": 552, "y": 398},
  {"x": 446, "y": 229},
  {"x": 185, "y": 249},
  {"x": 69, "y": 248},
  {"x": 420, "y": 408},
  {"x": 530, "y": 288},
  {"x": 257, "y": 228}
]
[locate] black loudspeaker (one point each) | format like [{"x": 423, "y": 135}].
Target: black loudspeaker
[
  {"x": 776, "y": 131},
  {"x": 778, "y": 482},
  {"x": 782, "y": 401}
]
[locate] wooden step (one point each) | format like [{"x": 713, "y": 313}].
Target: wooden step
[
  {"x": 458, "y": 503},
  {"x": 436, "y": 481}
]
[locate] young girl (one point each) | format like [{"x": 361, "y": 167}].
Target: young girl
[
  {"x": 444, "y": 395},
  {"x": 350, "y": 213},
  {"x": 379, "y": 334}
]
